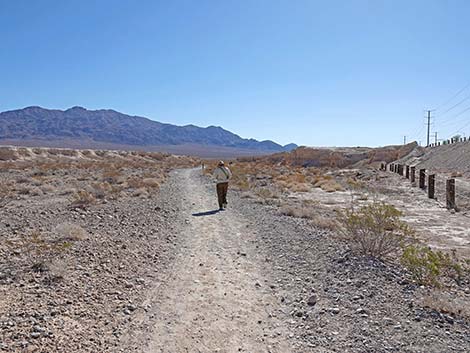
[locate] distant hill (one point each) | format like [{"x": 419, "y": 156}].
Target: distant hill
[
  {"x": 78, "y": 126},
  {"x": 341, "y": 157}
]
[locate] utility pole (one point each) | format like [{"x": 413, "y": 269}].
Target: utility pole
[
  {"x": 404, "y": 140},
  {"x": 435, "y": 138},
  {"x": 429, "y": 127}
]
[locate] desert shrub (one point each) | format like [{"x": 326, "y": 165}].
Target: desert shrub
[
  {"x": 309, "y": 212},
  {"x": 151, "y": 183},
  {"x": 82, "y": 199},
  {"x": 242, "y": 184},
  {"x": 111, "y": 175},
  {"x": 374, "y": 230},
  {"x": 267, "y": 193},
  {"x": 429, "y": 267},
  {"x": 331, "y": 186},
  {"x": 70, "y": 232},
  {"x": 100, "y": 190},
  {"x": 143, "y": 183},
  {"x": 299, "y": 187}
]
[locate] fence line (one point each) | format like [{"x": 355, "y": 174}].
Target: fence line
[
  {"x": 450, "y": 192},
  {"x": 450, "y": 141}
]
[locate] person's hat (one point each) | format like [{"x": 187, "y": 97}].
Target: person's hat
[{"x": 221, "y": 163}]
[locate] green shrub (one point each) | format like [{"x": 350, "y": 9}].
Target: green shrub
[
  {"x": 428, "y": 266},
  {"x": 375, "y": 230}
]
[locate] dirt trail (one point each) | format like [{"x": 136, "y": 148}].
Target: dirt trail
[{"x": 215, "y": 299}]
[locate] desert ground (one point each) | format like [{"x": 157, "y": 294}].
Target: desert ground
[{"x": 125, "y": 252}]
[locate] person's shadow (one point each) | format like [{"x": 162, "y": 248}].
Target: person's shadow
[{"x": 206, "y": 213}]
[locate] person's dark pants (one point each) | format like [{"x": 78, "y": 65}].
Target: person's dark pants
[{"x": 222, "y": 193}]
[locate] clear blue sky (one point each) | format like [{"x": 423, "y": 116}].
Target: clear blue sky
[{"x": 311, "y": 72}]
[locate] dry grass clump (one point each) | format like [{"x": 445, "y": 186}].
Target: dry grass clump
[
  {"x": 267, "y": 193},
  {"x": 331, "y": 186},
  {"x": 327, "y": 183},
  {"x": 70, "y": 232},
  {"x": 143, "y": 187},
  {"x": 309, "y": 212},
  {"x": 112, "y": 175},
  {"x": 150, "y": 183},
  {"x": 104, "y": 190},
  {"x": 298, "y": 211},
  {"x": 446, "y": 303},
  {"x": 82, "y": 199},
  {"x": 299, "y": 187}
]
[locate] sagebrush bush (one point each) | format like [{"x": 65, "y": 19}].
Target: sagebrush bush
[
  {"x": 429, "y": 267},
  {"x": 375, "y": 230}
]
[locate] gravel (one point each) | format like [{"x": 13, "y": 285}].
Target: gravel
[
  {"x": 359, "y": 304},
  {"x": 129, "y": 243}
]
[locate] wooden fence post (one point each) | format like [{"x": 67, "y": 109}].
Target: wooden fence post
[
  {"x": 431, "y": 185},
  {"x": 422, "y": 177},
  {"x": 450, "y": 194},
  {"x": 413, "y": 173},
  {"x": 407, "y": 172}
]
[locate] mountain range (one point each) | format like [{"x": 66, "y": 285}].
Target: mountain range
[{"x": 77, "y": 125}]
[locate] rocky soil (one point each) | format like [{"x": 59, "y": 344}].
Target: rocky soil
[
  {"x": 164, "y": 274},
  {"x": 87, "y": 298},
  {"x": 341, "y": 303}
]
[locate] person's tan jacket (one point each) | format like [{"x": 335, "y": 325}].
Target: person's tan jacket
[{"x": 222, "y": 174}]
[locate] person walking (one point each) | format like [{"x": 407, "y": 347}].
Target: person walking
[{"x": 222, "y": 175}]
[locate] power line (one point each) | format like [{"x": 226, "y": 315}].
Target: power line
[
  {"x": 460, "y": 129},
  {"x": 457, "y": 115},
  {"x": 454, "y": 96},
  {"x": 455, "y": 105}
]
